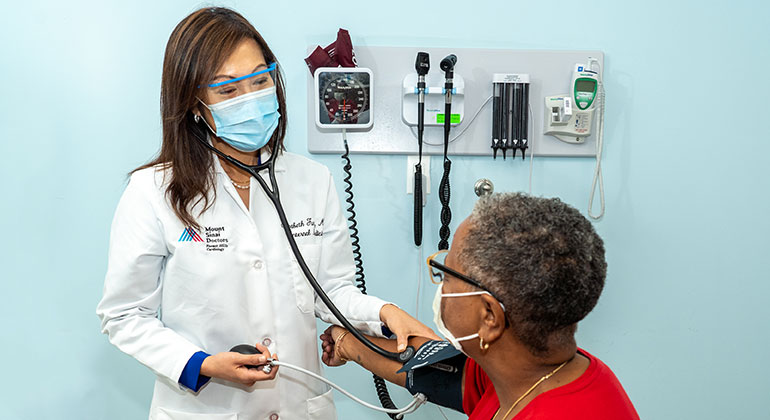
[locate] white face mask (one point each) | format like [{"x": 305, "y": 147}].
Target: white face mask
[{"x": 440, "y": 322}]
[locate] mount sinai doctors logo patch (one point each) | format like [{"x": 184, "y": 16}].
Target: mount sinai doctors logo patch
[
  {"x": 189, "y": 234},
  {"x": 216, "y": 239}
]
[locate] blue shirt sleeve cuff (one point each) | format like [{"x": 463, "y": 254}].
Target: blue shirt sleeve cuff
[
  {"x": 386, "y": 332},
  {"x": 191, "y": 375}
]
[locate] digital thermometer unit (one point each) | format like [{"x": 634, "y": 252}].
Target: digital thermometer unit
[
  {"x": 569, "y": 117},
  {"x": 343, "y": 97},
  {"x": 584, "y": 85}
]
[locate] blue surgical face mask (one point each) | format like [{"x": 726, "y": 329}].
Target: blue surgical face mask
[{"x": 248, "y": 121}]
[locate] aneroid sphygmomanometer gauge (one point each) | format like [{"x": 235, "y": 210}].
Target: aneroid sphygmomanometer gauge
[{"x": 343, "y": 97}]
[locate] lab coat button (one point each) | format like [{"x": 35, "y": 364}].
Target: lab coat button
[
  {"x": 274, "y": 416},
  {"x": 258, "y": 265},
  {"x": 266, "y": 342}
]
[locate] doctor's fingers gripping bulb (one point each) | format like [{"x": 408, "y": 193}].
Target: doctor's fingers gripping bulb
[{"x": 249, "y": 349}]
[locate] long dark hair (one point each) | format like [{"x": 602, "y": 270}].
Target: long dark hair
[{"x": 199, "y": 44}]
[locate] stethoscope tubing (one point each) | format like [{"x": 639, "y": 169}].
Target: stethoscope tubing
[
  {"x": 417, "y": 400},
  {"x": 273, "y": 193}
]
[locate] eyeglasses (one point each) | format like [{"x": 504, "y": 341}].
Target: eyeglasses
[
  {"x": 436, "y": 268},
  {"x": 231, "y": 88}
]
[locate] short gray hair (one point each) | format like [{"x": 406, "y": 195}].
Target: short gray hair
[{"x": 542, "y": 258}]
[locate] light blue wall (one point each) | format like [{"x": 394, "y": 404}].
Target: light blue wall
[{"x": 683, "y": 318}]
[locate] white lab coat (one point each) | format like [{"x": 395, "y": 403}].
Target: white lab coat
[{"x": 168, "y": 294}]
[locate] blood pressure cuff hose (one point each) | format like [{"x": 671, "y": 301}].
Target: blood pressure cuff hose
[{"x": 436, "y": 371}]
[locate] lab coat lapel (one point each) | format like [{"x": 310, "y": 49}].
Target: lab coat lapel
[
  {"x": 280, "y": 168},
  {"x": 280, "y": 163},
  {"x": 224, "y": 180}
]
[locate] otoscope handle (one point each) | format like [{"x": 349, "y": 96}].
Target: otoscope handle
[
  {"x": 447, "y": 123},
  {"x": 418, "y": 168}
]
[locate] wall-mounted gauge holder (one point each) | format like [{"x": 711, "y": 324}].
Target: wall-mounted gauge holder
[{"x": 343, "y": 98}]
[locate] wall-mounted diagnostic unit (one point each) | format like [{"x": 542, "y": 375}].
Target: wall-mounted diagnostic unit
[
  {"x": 343, "y": 98},
  {"x": 472, "y": 122},
  {"x": 569, "y": 117},
  {"x": 434, "y": 100},
  {"x": 539, "y": 102}
]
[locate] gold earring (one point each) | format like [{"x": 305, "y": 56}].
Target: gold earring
[{"x": 482, "y": 344}]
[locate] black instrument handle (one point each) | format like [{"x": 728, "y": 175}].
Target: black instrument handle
[{"x": 418, "y": 205}]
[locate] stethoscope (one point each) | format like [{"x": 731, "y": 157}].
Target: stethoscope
[{"x": 274, "y": 194}]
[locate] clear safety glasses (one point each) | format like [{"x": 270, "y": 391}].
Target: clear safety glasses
[
  {"x": 438, "y": 269},
  {"x": 264, "y": 77}
]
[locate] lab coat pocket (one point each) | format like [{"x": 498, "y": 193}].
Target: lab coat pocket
[
  {"x": 321, "y": 407},
  {"x": 305, "y": 295},
  {"x": 169, "y": 414}
]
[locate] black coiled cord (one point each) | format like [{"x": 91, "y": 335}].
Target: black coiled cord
[
  {"x": 446, "y": 212},
  {"x": 379, "y": 383},
  {"x": 353, "y": 226},
  {"x": 384, "y": 395},
  {"x": 418, "y": 177}
]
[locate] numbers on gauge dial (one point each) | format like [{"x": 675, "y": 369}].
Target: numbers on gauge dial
[{"x": 345, "y": 98}]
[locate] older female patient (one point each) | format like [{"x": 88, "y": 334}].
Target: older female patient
[{"x": 521, "y": 272}]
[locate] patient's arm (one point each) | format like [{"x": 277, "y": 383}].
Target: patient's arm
[
  {"x": 442, "y": 383},
  {"x": 340, "y": 346}
]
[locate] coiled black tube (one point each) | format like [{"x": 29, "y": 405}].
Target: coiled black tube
[
  {"x": 443, "y": 189},
  {"x": 446, "y": 212},
  {"x": 384, "y": 395},
  {"x": 379, "y": 383},
  {"x": 357, "y": 257},
  {"x": 418, "y": 175},
  {"x": 418, "y": 205}
]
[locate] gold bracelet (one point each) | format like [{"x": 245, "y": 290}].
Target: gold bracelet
[{"x": 338, "y": 345}]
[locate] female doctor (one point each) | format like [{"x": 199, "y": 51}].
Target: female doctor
[{"x": 198, "y": 261}]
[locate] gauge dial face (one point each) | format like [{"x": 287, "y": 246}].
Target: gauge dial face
[{"x": 345, "y": 97}]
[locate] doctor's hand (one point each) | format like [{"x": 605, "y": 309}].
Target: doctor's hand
[
  {"x": 404, "y": 325},
  {"x": 231, "y": 366}
]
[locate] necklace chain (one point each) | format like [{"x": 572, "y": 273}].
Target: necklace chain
[
  {"x": 505, "y": 416},
  {"x": 245, "y": 186},
  {"x": 242, "y": 186}
]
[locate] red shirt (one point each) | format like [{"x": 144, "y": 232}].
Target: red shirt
[{"x": 595, "y": 395}]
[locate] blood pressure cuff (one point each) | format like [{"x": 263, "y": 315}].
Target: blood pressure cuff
[
  {"x": 337, "y": 54},
  {"x": 436, "y": 371}
]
